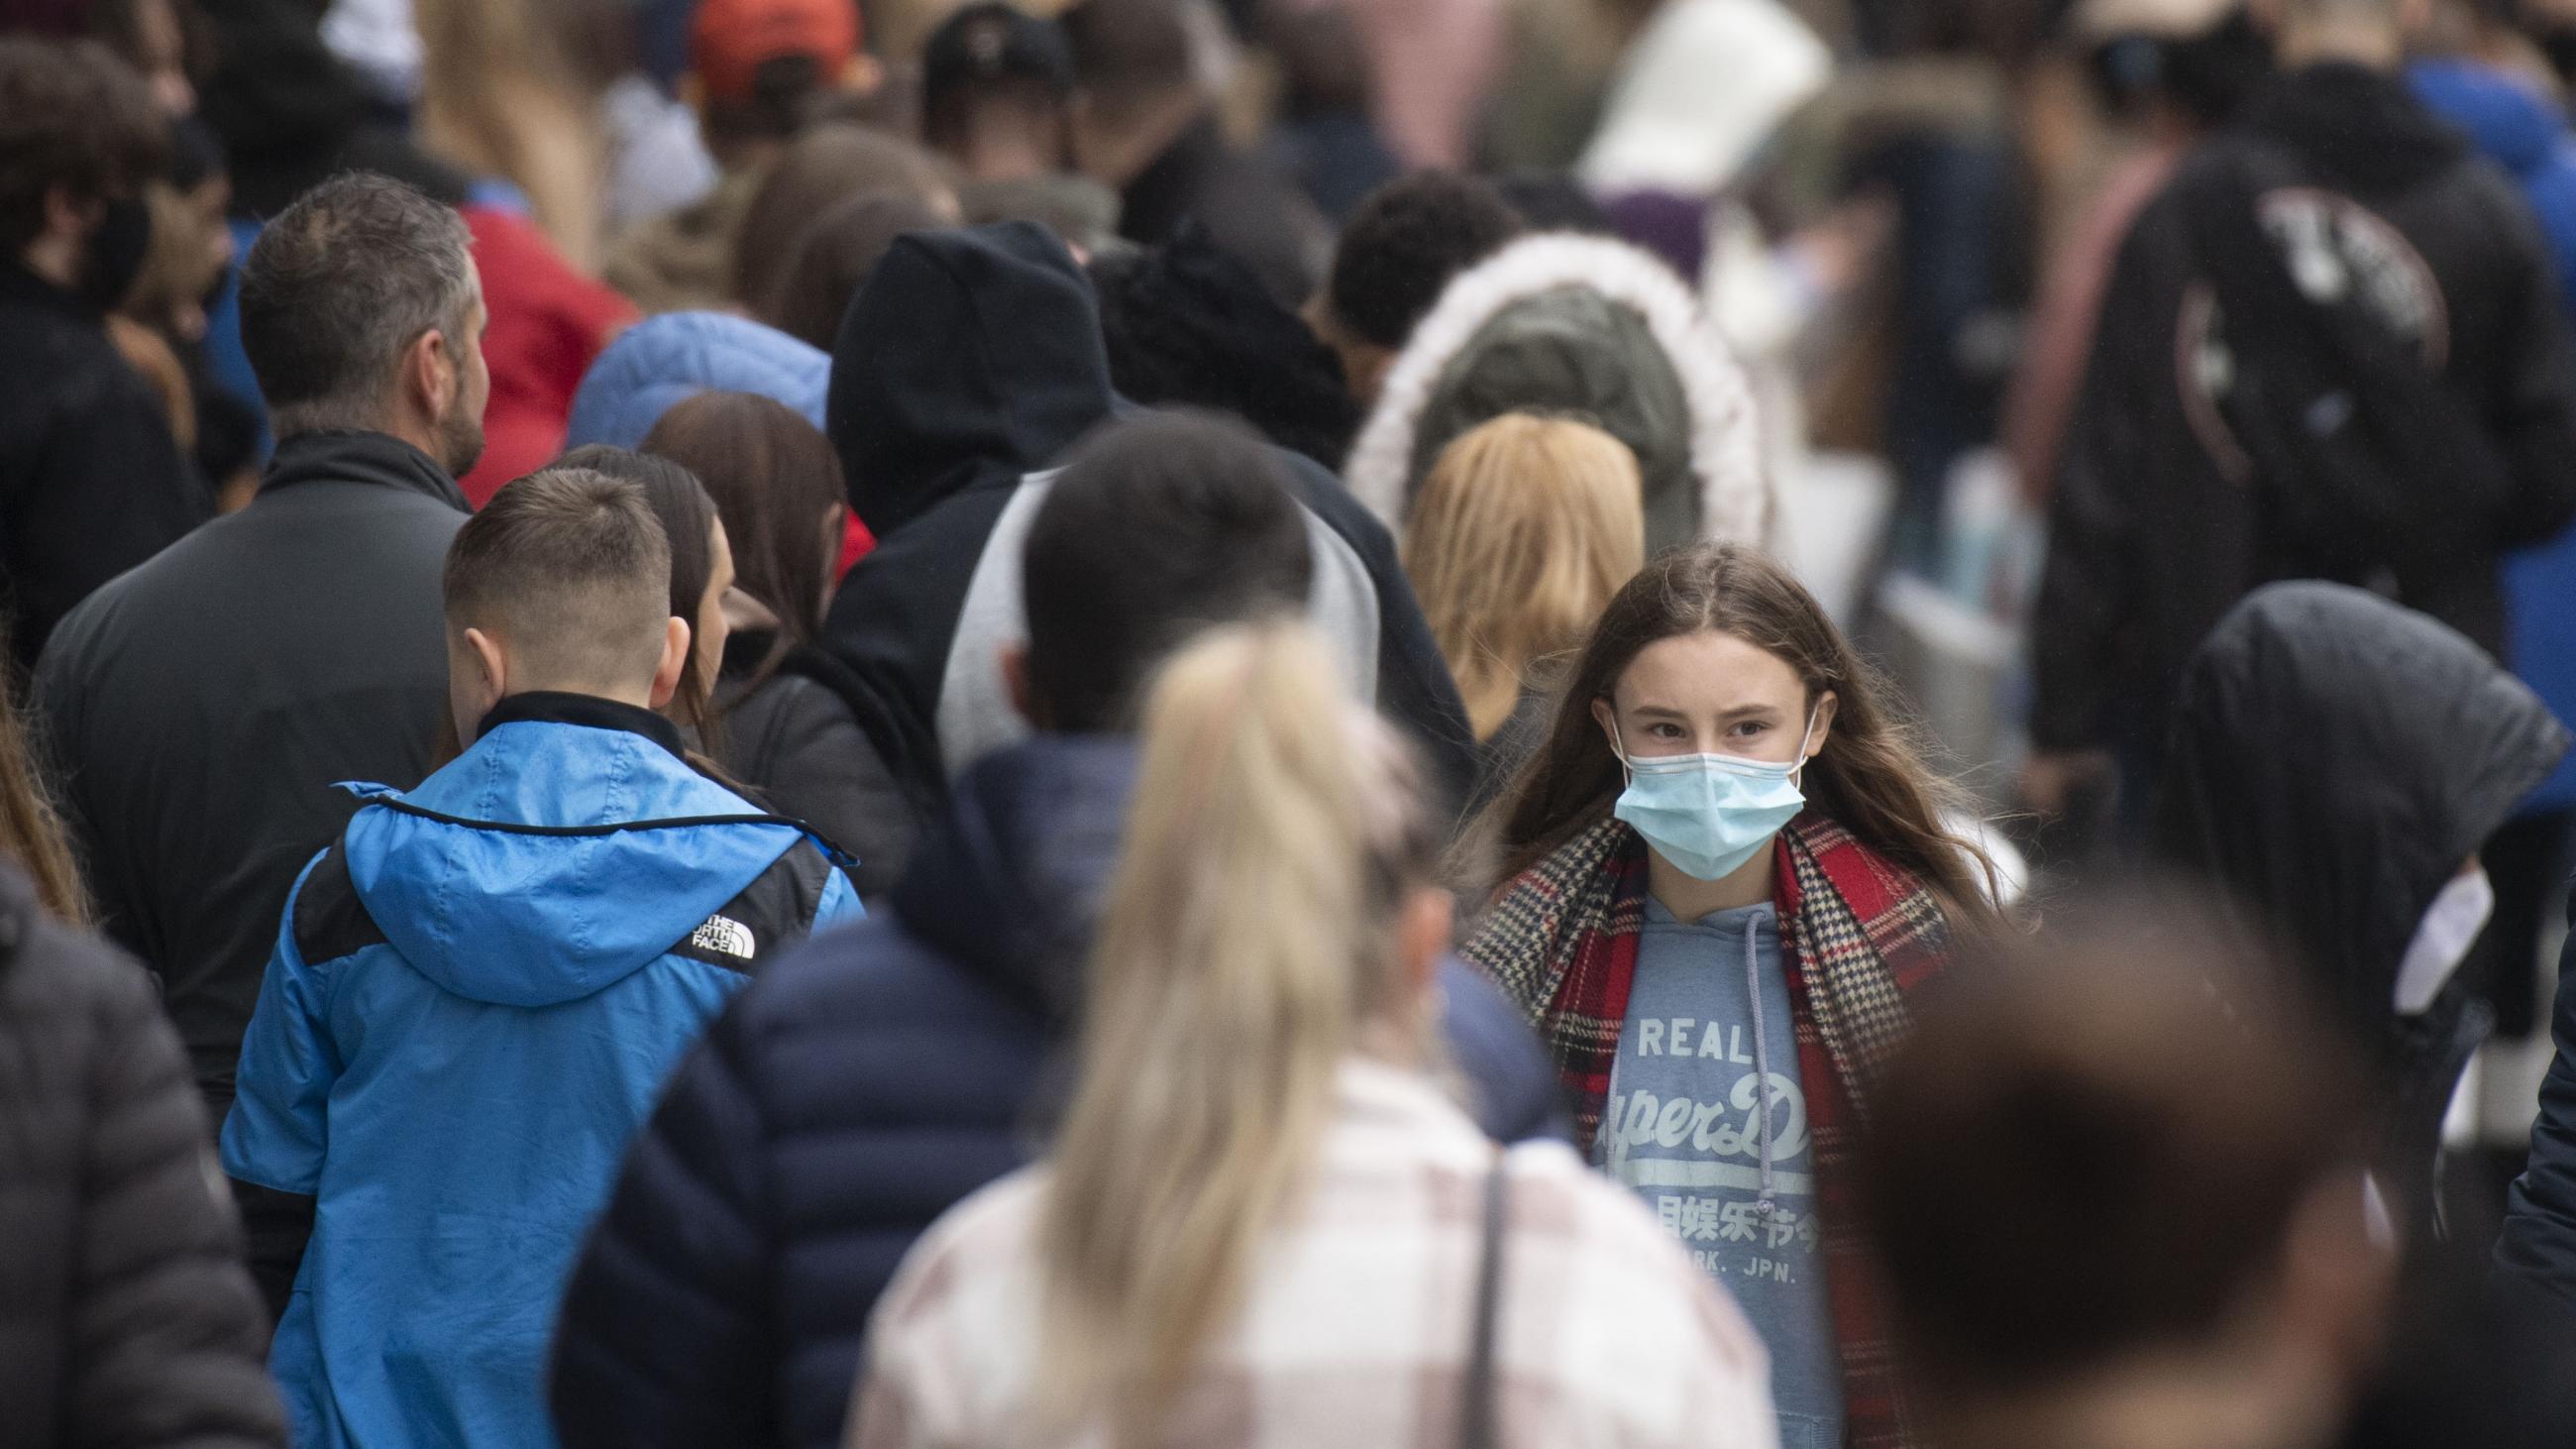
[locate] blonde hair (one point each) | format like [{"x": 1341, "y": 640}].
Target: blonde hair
[
  {"x": 505, "y": 91},
  {"x": 1245, "y": 950},
  {"x": 1524, "y": 530}
]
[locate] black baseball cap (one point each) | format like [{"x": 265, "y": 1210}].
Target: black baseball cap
[{"x": 990, "y": 42}]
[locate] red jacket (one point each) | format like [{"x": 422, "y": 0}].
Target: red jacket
[{"x": 547, "y": 322}]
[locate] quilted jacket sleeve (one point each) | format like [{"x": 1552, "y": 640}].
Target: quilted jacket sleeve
[
  {"x": 169, "y": 1344},
  {"x": 665, "y": 1336}
]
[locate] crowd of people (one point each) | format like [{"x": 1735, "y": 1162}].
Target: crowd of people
[{"x": 1153, "y": 722}]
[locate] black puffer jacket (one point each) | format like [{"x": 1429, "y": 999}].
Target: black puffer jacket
[
  {"x": 126, "y": 1317},
  {"x": 2169, "y": 506},
  {"x": 2334, "y": 760}
]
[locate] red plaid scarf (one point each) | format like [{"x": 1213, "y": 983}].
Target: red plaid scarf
[{"x": 1862, "y": 934}]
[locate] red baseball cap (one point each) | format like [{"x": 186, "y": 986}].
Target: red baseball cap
[{"x": 729, "y": 40}]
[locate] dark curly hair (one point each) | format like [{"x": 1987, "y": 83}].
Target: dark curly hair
[{"x": 1405, "y": 243}]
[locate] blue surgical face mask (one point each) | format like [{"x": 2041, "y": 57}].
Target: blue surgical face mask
[{"x": 1708, "y": 814}]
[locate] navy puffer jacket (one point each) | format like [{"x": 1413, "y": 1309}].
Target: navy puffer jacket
[{"x": 858, "y": 1090}]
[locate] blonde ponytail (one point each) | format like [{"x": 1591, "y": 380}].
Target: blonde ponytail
[{"x": 1246, "y": 940}]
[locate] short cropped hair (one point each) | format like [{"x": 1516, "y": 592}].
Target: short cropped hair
[
  {"x": 71, "y": 115},
  {"x": 1160, "y": 527},
  {"x": 339, "y": 287},
  {"x": 571, "y": 568},
  {"x": 1408, "y": 239}
]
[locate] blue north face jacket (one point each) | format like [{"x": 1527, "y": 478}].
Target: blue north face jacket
[{"x": 473, "y": 1003}]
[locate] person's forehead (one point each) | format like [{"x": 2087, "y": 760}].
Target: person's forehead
[{"x": 1708, "y": 673}]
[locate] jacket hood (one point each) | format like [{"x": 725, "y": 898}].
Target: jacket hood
[
  {"x": 1575, "y": 325},
  {"x": 2510, "y": 122},
  {"x": 1009, "y": 885},
  {"x": 495, "y": 912},
  {"x": 967, "y": 353},
  {"x": 2334, "y": 759},
  {"x": 1703, "y": 86},
  {"x": 662, "y": 361}
]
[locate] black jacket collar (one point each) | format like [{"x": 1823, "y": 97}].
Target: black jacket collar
[
  {"x": 546, "y": 706},
  {"x": 334, "y": 455},
  {"x": 21, "y": 287}
]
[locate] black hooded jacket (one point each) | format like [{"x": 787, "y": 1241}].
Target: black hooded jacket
[
  {"x": 971, "y": 360},
  {"x": 2166, "y": 510},
  {"x": 2334, "y": 760}
]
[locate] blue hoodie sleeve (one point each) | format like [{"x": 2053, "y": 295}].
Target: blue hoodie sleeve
[{"x": 277, "y": 1131}]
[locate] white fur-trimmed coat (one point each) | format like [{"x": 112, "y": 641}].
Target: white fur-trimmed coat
[{"x": 1735, "y": 499}]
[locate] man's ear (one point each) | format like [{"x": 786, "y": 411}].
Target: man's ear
[
  {"x": 1024, "y": 695},
  {"x": 863, "y": 75},
  {"x": 675, "y": 659},
  {"x": 428, "y": 376}
]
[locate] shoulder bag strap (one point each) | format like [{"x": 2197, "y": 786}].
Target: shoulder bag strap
[{"x": 1477, "y": 1417}]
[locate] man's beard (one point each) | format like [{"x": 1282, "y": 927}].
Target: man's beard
[{"x": 460, "y": 438}]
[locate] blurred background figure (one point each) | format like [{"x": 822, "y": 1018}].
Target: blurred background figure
[
  {"x": 2334, "y": 304},
  {"x": 758, "y": 75},
  {"x": 997, "y": 94},
  {"x": 92, "y": 479},
  {"x": 2116, "y": 1207}
]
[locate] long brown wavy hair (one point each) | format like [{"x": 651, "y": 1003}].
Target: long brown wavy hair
[
  {"x": 31, "y": 832},
  {"x": 1868, "y": 777}
]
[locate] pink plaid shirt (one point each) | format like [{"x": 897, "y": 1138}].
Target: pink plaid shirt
[{"x": 1357, "y": 1325}]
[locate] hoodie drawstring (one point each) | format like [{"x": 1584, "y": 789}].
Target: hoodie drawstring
[{"x": 1761, "y": 1058}]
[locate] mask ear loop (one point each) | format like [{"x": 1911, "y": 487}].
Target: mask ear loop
[
  {"x": 1798, "y": 776},
  {"x": 1627, "y": 776}
]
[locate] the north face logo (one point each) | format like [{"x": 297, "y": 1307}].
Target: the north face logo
[{"x": 723, "y": 936}]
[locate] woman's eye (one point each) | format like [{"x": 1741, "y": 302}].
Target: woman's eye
[
  {"x": 1666, "y": 731},
  {"x": 1748, "y": 729}
]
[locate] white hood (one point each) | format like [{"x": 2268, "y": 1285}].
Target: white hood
[
  {"x": 1702, "y": 87},
  {"x": 1725, "y": 445}
]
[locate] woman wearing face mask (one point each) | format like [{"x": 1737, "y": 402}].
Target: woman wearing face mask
[
  {"x": 1723, "y": 874},
  {"x": 2336, "y": 764}
]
